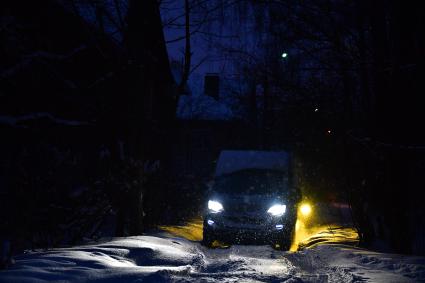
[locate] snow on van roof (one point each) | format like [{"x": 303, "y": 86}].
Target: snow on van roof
[{"x": 231, "y": 161}]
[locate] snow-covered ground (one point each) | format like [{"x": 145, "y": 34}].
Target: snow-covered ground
[
  {"x": 321, "y": 252},
  {"x": 165, "y": 258}
]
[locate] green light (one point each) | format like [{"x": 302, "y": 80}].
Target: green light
[{"x": 284, "y": 55}]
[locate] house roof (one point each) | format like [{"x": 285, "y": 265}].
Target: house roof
[{"x": 203, "y": 107}]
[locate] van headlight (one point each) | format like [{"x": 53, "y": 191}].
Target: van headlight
[
  {"x": 215, "y": 206},
  {"x": 277, "y": 210}
]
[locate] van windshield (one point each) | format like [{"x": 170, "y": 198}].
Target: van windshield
[{"x": 252, "y": 181}]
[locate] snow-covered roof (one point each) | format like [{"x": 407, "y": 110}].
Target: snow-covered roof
[
  {"x": 18, "y": 120},
  {"x": 203, "y": 107},
  {"x": 231, "y": 161}
]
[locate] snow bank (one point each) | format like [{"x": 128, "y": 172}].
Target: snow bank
[
  {"x": 162, "y": 258},
  {"x": 341, "y": 263},
  {"x": 18, "y": 120},
  {"x": 122, "y": 259}
]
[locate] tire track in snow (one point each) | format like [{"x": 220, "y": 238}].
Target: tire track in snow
[{"x": 240, "y": 264}]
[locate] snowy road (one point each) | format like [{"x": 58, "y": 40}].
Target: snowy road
[
  {"x": 162, "y": 258},
  {"x": 174, "y": 254}
]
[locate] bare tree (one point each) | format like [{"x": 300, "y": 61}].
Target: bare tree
[{"x": 187, "y": 52}]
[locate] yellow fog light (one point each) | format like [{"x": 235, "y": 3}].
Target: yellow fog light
[{"x": 305, "y": 209}]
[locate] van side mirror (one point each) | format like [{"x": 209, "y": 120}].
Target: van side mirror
[{"x": 209, "y": 185}]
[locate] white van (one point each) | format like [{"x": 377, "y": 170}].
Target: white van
[{"x": 252, "y": 199}]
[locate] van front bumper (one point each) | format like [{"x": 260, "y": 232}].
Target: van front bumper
[{"x": 265, "y": 229}]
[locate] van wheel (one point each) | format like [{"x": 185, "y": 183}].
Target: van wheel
[
  {"x": 283, "y": 243},
  {"x": 207, "y": 239}
]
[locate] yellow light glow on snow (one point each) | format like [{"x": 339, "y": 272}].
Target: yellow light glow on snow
[
  {"x": 311, "y": 230},
  {"x": 192, "y": 230}
]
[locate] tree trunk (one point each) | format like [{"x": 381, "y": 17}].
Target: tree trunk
[{"x": 187, "y": 52}]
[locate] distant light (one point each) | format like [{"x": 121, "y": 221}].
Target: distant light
[
  {"x": 210, "y": 222},
  {"x": 279, "y": 226},
  {"x": 316, "y": 109},
  {"x": 305, "y": 209},
  {"x": 329, "y": 131},
  {"x": 284, "y": 55}
]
